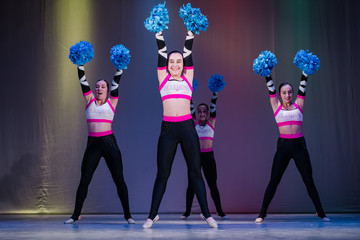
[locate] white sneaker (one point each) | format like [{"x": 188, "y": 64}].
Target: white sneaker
[
  {"x": 150, "y": 222},
  {"x": 130, "y": 221},
  {"x": 210, "y": 221},
  {"x": 259, "y": 220},
  {"x": 69, "y": 221},
  {"x": 183, "y": 217},
  {"x": 324, "y": 219}
]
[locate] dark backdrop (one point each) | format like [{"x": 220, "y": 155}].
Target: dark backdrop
[{"x": 43, "y": 129}]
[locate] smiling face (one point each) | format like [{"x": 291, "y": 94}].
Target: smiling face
[
  {"x": 203, "y": 113},
  {"x": 175, "y": 64},
  {"x": 101, "y": 90},
  {"x": 286, "y": 94}
]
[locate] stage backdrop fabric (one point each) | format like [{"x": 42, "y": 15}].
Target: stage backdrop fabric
[{"x": 43, "y": 132}]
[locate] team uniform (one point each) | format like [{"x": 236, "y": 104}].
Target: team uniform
[
  {"x": 177, "y": 130},
  {"x": 101, "y": 144},
  {"x": 174, "y": 131},
  {"x": 208, "y": 165},
  {"x": 291, "y": 146}
]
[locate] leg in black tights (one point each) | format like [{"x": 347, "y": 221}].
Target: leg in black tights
[
  {"x": 191, "y": 149},
  {"x": 210, "y": 173},
  {"x": 114, "y": 162},
  {"x": 89, "y": 164},
  {"x": 280, "y": 163},
  {"x": 208, "y": 165},
  {"x": 171, "y": 134},
  {"x": 303, "y": 164},
  {"x": 167, "y": 145},
  {"x": 189, "y": 199},
  {"x": 287, "y": 149}
]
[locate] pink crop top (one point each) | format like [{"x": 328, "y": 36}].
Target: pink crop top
[
  {"x": 205, "y": 132},
  {"x": 289, "y": 117},
  {"x": 171, "y": 88},
  {"x": 102, "y": 113}
]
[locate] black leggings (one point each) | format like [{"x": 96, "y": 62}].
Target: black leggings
[
  {"x": 98, "y": 147},
  {"x": 171, "y": 134},
  {"x": 287, "y": 149},
  {"x": 208, "y": 165}
]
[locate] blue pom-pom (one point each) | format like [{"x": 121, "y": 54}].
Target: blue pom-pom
[
  {"x": 194, "y": 20},
  {"x": 120, "y": 56},
  {"x": 195, "y": 84},
  {"x": 216, "y": 83},
  {"x": 264, "y": 63},
  {"x": 158, "y": 20},
  {"x": 81, "y": 53},
  {"x": 307, "y": 62}
]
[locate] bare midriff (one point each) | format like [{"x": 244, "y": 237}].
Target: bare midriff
[
  {"x": 176, "y": 107},
  {"x": 98, "y": 126},
  {"x": 205, "y": 143},
  {"x": 290, "y": 129}
]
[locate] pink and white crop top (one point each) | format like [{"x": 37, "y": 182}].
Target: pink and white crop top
[
  {"x": 289, "y": 117},
  {"x": 171, "y": 88},
  {"x": 102, "y": 113},
  {"x": 205, "y": 132}
]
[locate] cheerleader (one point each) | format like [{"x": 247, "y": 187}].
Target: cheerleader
[
  {"x": 175, "y": 73},
  {"x": 205, "y": 128},
  {"x": 100, "y": 112},
  {"x": 291, "y": 143}
]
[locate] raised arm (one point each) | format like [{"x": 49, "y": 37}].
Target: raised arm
[
  {"x": 162, "y": 56},
  {"x": 193, "y": 111},
  {"x": 274, "y": 101},
  {"x": 88, "y": 95},
  {"x": 114, "y": 89},
  {"x": 301, "y": 92},
  {"x": 213, "y": 109},
  {"x": 187, "y": 54}
]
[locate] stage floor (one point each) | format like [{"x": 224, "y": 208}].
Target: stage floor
[{"x": 240, "y": 226}]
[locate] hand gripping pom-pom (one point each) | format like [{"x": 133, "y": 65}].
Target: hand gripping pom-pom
[
  {"x": 81, "y": 53},
  {"x": 216, "y": 83},
  {"x": 195, "y": 84},
  {"x": 307, "y": 62},
  {"x": 120, "y": 56},
  {"x": 158, "y": 19},
  {"x": 194, "y": 20},
  {"x": 264, "y": 63}
]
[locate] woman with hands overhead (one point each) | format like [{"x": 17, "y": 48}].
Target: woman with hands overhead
[
  {"x": 175, "y": 73},
  {"x": 100, "y": 112},
  {"x": 205, "y": 118},
  {"x": 289, "y": 117}
]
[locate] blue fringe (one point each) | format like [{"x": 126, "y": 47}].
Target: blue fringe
[
  {"x": 194, "y": 20},
  {"x": 81, "y": 53},
  {"x": 216, "y": 83},
  {"x": 120, "y": 56},
  {"x": 158, "y": 19},
  {"x": 264, "y": 63},
  {"x": 307, "y": 62},
  {"x": 195, "y": 84}
]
